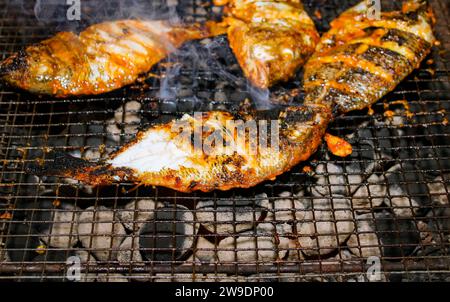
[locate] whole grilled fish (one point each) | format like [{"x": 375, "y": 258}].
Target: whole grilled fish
[
  {"x": 210, "y": 151},
  {"x": 270, "y": 39},
  {"x": 361, "y": 59},
  {"x": 104, "y": 57}
]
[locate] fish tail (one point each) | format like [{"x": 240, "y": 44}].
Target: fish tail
[{"x": 92, "y": 173}]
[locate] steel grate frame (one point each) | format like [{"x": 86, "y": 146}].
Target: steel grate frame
[{"x": 321, "y": 221}]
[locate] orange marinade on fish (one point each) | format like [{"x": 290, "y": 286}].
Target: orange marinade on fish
[
  {"x": 359, "y": 60},
  {"x": 270, "y": 39},
  {"x": 102, "y": 58},
  {"x": 164, "y": 156}
]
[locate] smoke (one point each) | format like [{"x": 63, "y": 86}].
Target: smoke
[
  {"x": 207, "y": 71},
  {"x": 261, "y": 97},
  {"x": 169, "y": 86},
  {"x": 55, "y": 13}
]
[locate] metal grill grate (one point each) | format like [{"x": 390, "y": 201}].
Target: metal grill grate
[{"x": 389, "y": 201}]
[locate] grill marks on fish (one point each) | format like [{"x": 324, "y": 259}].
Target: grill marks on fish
[
  {"x": 102, "y": 58},
  {"x": 160, "y": 157},
  {"x": 271, "y": 39},
  {"x": 360, "y": 60}
]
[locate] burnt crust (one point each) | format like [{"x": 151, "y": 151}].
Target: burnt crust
[{"x": 17, "y": 62}]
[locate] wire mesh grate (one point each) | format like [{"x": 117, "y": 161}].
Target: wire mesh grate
[{"x": 329, "y": 219}]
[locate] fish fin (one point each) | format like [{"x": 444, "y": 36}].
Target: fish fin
[{"x": 59, "y": 164}]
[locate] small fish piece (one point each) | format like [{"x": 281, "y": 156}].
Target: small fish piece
[
  {"x": 338, "y": 146},
  {"x": 102, "y": 58},
  {"x": 270, "y": 39},
  {"x": 361, "y": 59},
  {"x": 189, "y": 154}
]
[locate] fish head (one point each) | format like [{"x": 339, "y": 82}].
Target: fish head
[
  {"x": 13, "y": 68},
  {"x": 47, "y": 67},
  {"x": 28, "y": 70}
]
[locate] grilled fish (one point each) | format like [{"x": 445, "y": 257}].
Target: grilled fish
[
  {"x": 169, "y": 155},
  {"x": 270, "y": 39},
  {"x": 102, "y": 58},
  {"x": 360, "y": 59}
]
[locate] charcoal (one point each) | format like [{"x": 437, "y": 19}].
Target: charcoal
[
  {"x": 129, "y": 251},
  {"x": 41, "y": 214},
  {"x": 364, "y": 242},
  {"x": 168, "y": 107},
  {"x": 220, "y": 96},
  {"x": 183, "y": 93},
  {"x": 113, "y": 130},
  {"x": 169, "y": 236},
  {"x": 238, "y": 96},
  {"x": 439, "y": 223},
  {"x": 62, "y": 230},
  {"x": 205, "y": 251},
  {"x": 407, "y": 191},
  {"x": 205, "y": 95},
  {"x": 330, "y": 180},
  {"x": 100, "y": 231},
  {"x": 231, "y": 216},
  {"x": 135, "y": 213},
  {"x": 346, "y": 177},
  {"x": 433, "y": 161},
  {"x": 218, "y": 107},
  {"x": 259, "y": 245},
  {"x": 369, "y": 195},
  {"x": 22, "y": 242},
  {"x": 327, "y": 225},
  {"x": 287, "y": 209},
  {"x": 188, "y": 104},
  {"x": 399, "y": 237},
  {"x": 127, "y": 117}
]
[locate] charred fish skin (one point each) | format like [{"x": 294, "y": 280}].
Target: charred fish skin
[
  {"x": 159, "y": 157},
  {"x": 360, "y": 59},
  {"x": 103, "y": 58},
  {"x": 270, "y": 39}
]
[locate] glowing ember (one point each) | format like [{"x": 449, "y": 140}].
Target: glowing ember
[
  {"x": 5, "y": 216},
  {"x": 307, "y": 170},
  {"x": 56, "y": 203}
]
